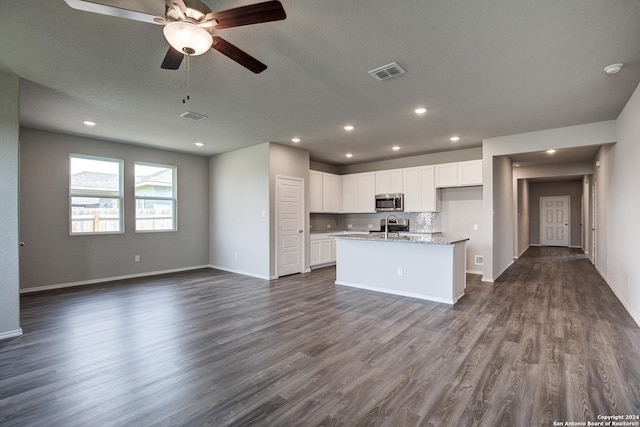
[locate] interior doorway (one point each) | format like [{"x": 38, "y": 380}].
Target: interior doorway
[{"x": 555, "y": 221}]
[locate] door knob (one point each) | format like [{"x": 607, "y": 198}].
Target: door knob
[
  {"x": 21, "y": 244},
  {"x": 300, "y": 231}
]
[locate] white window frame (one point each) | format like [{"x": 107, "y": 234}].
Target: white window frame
[
  {"x": 173, "y": 198},
  {"x": 119, "y": 197}
]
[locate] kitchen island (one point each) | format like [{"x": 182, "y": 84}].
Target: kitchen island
[{"x": 429, "y": 267}]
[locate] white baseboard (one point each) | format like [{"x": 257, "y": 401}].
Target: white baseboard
[
  {"x": 393, "y": 292},
  {"x": 10, "y": 334},
  {"x": 244, "y": 273},
  {"x": 474, "y": 271},
  {"x": 635, "y": 317},
  {"x": 522, "y": 252},
  {"x": 107, "y": 279},
  {"x": 495, "y": 276}
]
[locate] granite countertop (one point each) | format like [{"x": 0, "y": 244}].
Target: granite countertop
[
  {"x": 339, "y": 231},
  {"x": 431, "y": 239}
]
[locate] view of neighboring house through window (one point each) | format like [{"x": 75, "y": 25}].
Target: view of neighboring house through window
[
  {"x": 155, "y": 197},
  {"x": 95, "y": 194}
]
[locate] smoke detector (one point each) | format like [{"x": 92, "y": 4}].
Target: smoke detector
[
  {"x": 613, "y": 68},
  {"x": 387, "y": 71}
]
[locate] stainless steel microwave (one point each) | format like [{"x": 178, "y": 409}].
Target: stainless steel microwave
[{"x": 390, "y": 202}]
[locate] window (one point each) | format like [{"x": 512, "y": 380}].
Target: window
[
  {"x": 155, "y": 197},
  {"x": 95, "y": 195}
]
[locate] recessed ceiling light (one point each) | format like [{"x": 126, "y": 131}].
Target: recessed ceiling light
[
  {"x": 349, "y": 128},
  {"x": 395, "y": 147},
  {"x": 454, "y": 139},
  {"x": 613, "y": 68},
  {"x": 199, "y": 143},
  {"x": 89, "y": 123},
  {"x": 517, "y": 165},
  {"x": 420, "y": 110},
  {"x": 295, "y": 140},
  {"x": 349, "y": 155},
  {"x": 551, "y": 151}
]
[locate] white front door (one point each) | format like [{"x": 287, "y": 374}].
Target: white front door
[
  {"x": 290, "y": 208},
  {"x": 554, "y": 221}
]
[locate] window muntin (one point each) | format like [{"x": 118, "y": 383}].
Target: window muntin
[
  {"x": 95, "y": 195},
  {"x": 155, "y": 193}
]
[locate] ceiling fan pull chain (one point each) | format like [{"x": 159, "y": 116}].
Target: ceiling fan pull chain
[{"x": 185, "y": 82}]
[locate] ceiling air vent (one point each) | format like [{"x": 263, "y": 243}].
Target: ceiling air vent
[
  {"x": 387, "y": 71},
  {"x": 193, "y": 116}
]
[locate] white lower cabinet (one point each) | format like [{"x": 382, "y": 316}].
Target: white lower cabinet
[{"x": 322, "y": 249}]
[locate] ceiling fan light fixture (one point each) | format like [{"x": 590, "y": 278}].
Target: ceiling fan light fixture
[{"x": 187, "y": 38}]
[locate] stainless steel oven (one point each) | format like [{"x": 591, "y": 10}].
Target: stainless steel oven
[{"x": 390, "y": 202}]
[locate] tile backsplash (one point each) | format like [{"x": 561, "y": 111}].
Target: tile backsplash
[{"x": 425, "y": 222}]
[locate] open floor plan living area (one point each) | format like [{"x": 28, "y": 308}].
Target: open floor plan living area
[{"x": 319, "y": 213}]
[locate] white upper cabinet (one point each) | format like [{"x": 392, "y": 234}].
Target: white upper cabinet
[
  {"x": 429, "y": 201},
  {"x": 355, "y": 193},
  {"x": 331, "y": 193},
  {"x": 325, "y": 192},
  {"x": 470, "y": 173},
  {"x": 411, "y": 189},
  {"x": 366, "y": 192},
  {"x": 350, "y": 193},
  {"x": 419, "y": 190},
  {"x": 459, "y": 174},
  {"x": 315, "y": 191},
  {"x": 389, "y": 181},
  {"x": 358, "y": 193},
  {"x": 446, "y": 175}
]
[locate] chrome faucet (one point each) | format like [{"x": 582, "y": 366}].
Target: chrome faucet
[{"x": 386, "y": 225}]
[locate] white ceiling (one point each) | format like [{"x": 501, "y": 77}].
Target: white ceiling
[{"x": 483, "y": 68}]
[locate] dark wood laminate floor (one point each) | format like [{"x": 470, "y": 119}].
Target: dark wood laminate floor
[{"x": 547, "y": 342}]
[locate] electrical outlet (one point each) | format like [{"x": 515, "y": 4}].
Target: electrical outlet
[
  {"x": 137, "y": 258},
  {"x": 628, "y": 282},
  {"x": 370, "y": 226},
  {"x": 349, "y": 225},
  {"x": 475, "y": 227},
  {"x": 235, "y": 255},
  {"x": 328, "y": 225},
  {"x": 400, "y": 271}
]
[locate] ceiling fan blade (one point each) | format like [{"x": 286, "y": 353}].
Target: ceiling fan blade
[
  {"x": 240, "y": 56},
  {"x": 103, "y": 9},
  {"x": 178, "y": 6},
  {"x": 246, "y": 15},
  {"x": 172, "y": 59}
]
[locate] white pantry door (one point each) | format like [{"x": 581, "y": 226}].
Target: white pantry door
[
  {"x": 290, "y": 209},
  {"x": 554, "y": 221}
]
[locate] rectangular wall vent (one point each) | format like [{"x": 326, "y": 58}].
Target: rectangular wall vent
[
  {"x": 193, "y": 116},
  {"x": 387, "y": 71}
]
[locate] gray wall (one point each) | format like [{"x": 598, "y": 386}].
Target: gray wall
[
  {"x": 573, "y": 189},
  {"x": 461, "y": 209},
  {"x": 618, "y": 204},
  {"x": 292, "y": 162},
  {"x": 502, "y": 207},
  {"x": 523, "y": 239},
  {"x": 9, "y": 146},
  {"x": 53, "y": 257},
  {"x": 239, "y": 211}
]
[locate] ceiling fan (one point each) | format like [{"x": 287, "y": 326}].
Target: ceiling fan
[{"x": 189, "y": 26}]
